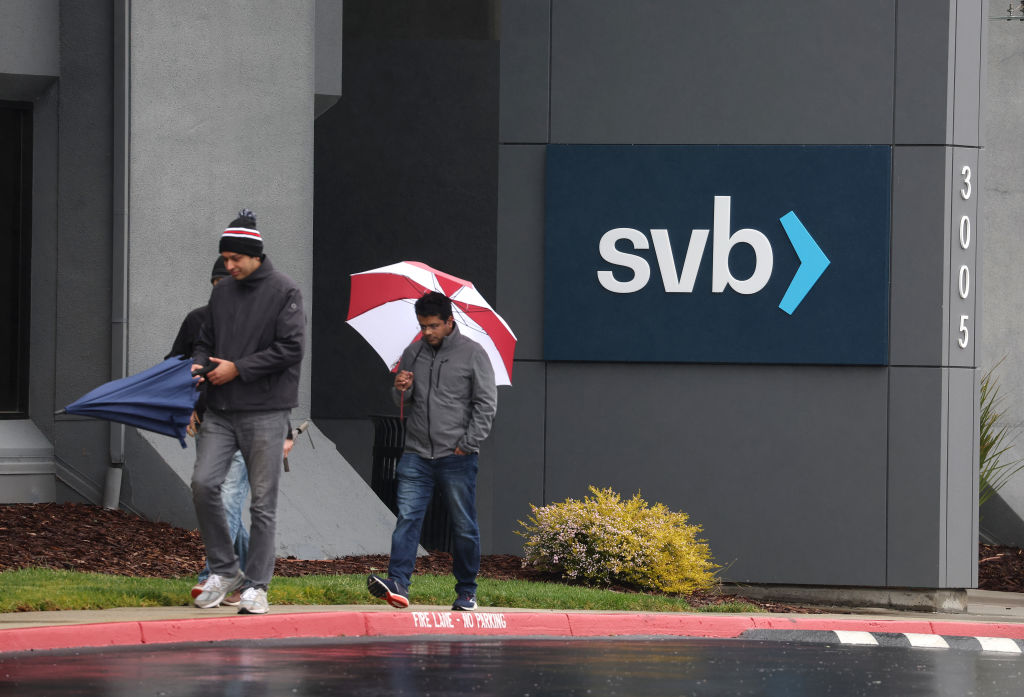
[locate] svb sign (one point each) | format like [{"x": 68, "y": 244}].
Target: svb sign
[{"x": 735, "y": 254}]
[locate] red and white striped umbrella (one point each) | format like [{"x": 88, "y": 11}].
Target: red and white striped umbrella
[{"x": 381, "y": 310}]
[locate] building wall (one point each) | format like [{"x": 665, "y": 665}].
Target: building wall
[
  {"x": 220, "y": 117},
  {"x": 876, "y": 461},
  {"x": 770, "y": 459},
  {"x": 171, "y": 118},
  {"x": 1002, "y": 248},
  {"x": 84, "y": 261}
]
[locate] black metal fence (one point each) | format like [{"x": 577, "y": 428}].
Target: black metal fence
[{"x": 388, "y": 441}]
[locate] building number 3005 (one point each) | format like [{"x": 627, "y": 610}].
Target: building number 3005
[{"x": 964, "y": 275}]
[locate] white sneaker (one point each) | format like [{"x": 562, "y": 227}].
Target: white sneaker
[
  {"x": 215, "y": 588},
  {"x": 254, "y": 602}
]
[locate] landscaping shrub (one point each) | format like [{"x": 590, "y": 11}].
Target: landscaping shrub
[
  {"x": 603, "y": 540},
  {"x": 997, "y": 440}
]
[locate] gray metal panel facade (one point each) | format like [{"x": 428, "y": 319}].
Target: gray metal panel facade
[
  {"x": 924, "y": 92},
  {"x": 919, "y": 221},
  {"x": 653, "y": 71},
  {"x": 916, "y": 505},
  {"x": 521, "y": 246},
  {"x": 512, "y": 471},
  {"x": 876, "y": 462},
  {"x": 967, "y": 77},
  {"x": 771, "y": 461},
  {"x": 525, "y": 48}
]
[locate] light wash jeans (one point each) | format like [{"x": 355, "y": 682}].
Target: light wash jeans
[
  {"x": 260, "y": 437},
  {"x": 233, "y": 492},
  {"x": 455, "y": 476}
]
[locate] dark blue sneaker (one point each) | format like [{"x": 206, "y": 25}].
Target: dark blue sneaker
[
  {"x": 389, "y": 590},
  {"x": 466, "y": 602}
]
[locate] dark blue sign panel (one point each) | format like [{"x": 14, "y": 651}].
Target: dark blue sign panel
[{"x": 717, "y": 254}]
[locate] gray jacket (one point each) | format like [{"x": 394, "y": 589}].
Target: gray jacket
[{"x": 453, "y": 399}]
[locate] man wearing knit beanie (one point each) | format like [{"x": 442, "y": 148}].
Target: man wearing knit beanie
[
  {"x": 241, "y": 236},
  {"x": 250, "y": 350}
]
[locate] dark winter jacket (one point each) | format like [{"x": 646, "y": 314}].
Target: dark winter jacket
[
  {"x": 453, "y": 399},
  {"x": 184, "y": 342},
  {"x": 184, "y": 345},
  {"x": 259, "y": 324}
]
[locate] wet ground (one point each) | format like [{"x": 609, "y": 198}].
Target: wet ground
[{"x": 506, "y": 667}]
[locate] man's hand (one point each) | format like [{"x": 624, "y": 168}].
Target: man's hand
[
  {"x": 223, "y": 373},
  {"x": 193, "y": 424},
  {"x": 403, "y": 380},
  {"x": 459, "y": 451},
  {"x": 288, "y": 444}
]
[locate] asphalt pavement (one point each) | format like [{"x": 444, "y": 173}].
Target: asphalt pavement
[{"x": 992, "y": 622}]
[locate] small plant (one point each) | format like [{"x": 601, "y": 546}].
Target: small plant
[
  {"x": 997, "y": 439},
  {"x": 605, "y": 541}
]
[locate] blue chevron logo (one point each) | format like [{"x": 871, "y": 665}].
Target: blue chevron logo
[{"x": 813, "y": 262}]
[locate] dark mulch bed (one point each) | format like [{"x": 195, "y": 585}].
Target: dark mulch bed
[
  {"x": 1001, "y": 568},
  {"x": 81, "y": 537}
]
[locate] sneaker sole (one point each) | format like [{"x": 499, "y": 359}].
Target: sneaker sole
[
  {"x": 399, "y": 601},
  {"x": 379, "y": 590},
  {"x": 464, "y": 609},
  {"x": 207, "y": 604},
  {"x": 246, "y": 611}
]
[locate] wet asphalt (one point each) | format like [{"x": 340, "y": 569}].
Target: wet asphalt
[
  {"x": 538, "y": 667},
  {"x": 375, "y": 650}
]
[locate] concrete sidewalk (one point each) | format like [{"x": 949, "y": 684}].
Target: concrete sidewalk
[{"x": 991, "y": 615}]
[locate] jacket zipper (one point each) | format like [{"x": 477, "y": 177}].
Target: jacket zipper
[{"x": 430, "y": 386}]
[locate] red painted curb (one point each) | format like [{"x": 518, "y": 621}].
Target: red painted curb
[{"x": 481, "y": 623}]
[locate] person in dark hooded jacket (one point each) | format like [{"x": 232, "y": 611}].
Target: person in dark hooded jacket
[{"x": 250, "y": 351}]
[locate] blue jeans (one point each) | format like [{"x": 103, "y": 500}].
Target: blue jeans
[
  {"x": 455, "y": 475},
  {"x": 233, "y": 492}
]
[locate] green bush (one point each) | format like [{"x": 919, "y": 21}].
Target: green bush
[{"x": 605, "y": 541}]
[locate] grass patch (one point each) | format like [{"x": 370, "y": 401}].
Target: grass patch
[{"x": 48, "y": 589}]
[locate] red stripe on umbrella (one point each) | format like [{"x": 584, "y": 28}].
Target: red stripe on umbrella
[
  {"x": 371, "y": 290},
  {"x": 378, "y": 311}
]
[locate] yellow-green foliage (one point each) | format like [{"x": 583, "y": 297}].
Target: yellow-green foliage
[{"x": 603, "y": 540}]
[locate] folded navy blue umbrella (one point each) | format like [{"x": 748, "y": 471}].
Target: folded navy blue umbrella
[{"x": 159, "y": 399}]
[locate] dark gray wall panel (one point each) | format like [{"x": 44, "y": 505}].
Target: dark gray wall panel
[
  {"x": 30, "y": 37},
  {"x": 85, "y": 213},
  {"x": 920, "y": 221},
  {"x": 962, "y": 484},
  {"x": 666, "y": 71},
  {"x": 772, "y": 461},
  {"x": 970, "y": 17},
  {"x": 149, "y": 485},
  {"x": 525, "y": 54},
  {"x": 354, "y": 439},
  {"x": 512, "y": 461},
  {"x": 520, "y": 295},
  {"x": 406, "y": 169},
  {"x": 917, "y": 478},
  {"x": 924, "y": 61}
]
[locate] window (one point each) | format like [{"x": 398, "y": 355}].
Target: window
[{"x": 15, "y": 237}]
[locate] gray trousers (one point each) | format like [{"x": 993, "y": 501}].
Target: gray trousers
[{"x": 260, "y": 436}]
